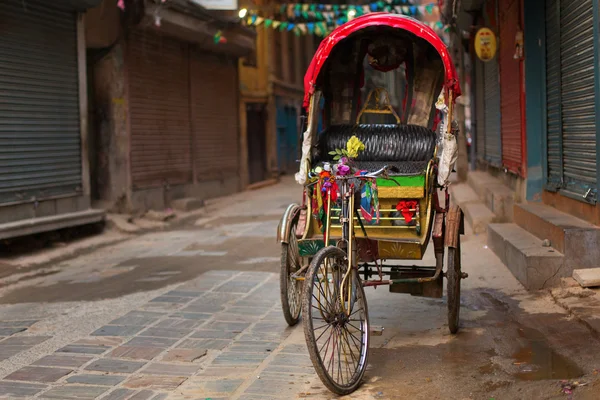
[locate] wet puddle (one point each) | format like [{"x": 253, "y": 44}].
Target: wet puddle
[{"x": 535, "y": 359}]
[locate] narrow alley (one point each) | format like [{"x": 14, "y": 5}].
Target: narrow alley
[{"x": 194, "y": 313}]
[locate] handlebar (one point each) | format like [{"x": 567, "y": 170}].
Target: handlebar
[{"x": 383, "y": 172}]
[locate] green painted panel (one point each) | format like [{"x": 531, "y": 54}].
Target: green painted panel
[
  {"x": 310, "y": 247},
  {"x": 394, "y": 181}
]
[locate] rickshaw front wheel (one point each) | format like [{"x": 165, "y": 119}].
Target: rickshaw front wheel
[
  {"x": 454, "y": 276},
  {"x": 290, "y": 288},
  {"x": 336, "y": 324}
]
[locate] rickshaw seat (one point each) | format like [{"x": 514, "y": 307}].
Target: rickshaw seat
[{"x": 407, "y": 147}]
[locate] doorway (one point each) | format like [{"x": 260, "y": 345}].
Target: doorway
[{"x": 257, "y": 143}]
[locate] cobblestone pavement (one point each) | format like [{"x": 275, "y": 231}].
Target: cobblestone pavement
[
  {"x": 195, "y": 314},
  {"x": 218, "y": 336}
]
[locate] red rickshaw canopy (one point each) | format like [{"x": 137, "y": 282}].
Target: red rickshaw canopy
[{"x": 383, "y": 19}]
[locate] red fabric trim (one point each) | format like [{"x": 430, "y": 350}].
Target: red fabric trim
[{"x": 375, "y": 19}]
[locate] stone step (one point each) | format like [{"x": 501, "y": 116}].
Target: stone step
[
  {"x": 462, "y": 194},
  {"x": 577, "y": 239},
  {"x": 535, "y": 266},
  {"x": 478, "y": 216},
  {"x": 32, "y": 226},
  {"x": 587, "y": 277},
  {"x": 187, "y": 204},
  {"x": 498, "y": 197}
]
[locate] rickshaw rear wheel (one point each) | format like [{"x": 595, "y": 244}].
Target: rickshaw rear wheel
[
  {"x": 454, "y": 276},
  {"x": 290, "y": 288},
  {"x": 337, "y": 336}
]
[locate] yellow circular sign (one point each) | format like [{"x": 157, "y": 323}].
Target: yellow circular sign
[{"x": 485, "y": 44}]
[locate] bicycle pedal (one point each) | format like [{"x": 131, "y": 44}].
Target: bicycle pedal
[{"x": 377, "y": 330}]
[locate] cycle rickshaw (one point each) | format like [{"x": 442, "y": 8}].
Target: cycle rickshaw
[{"x": 374, "y": 193}]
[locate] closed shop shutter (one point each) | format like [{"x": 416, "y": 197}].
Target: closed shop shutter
[
  {"x": 480, "y": 109},
  {"x": 510, "y": 87},
  {"x": 577, "y": 95},
  {"x": 493, "y": 142},
  {"x": 40, "y": 142},
  {"x": 215, "y": 110},
  {"x": 571, "y": 116},
  {"x": 159, "y": 108},
  {"x": 553, "y": 106},
  {"x": 492, "y": 113}
]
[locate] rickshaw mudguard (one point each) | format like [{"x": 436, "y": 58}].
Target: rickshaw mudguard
[
  {"x": 285, "y": 224},
  {"x": 455, "y": 226}
]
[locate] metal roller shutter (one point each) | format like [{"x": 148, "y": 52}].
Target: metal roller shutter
[
  {"x": 553, "y": 106},
  {"x": 577, "y": 95},
  {"x": 40, "y": 143},
  {"x": 480, "y": 109},
  {"x": 493, "y": 145},
  {"x": 214, "y": 110},
  {"x": 159, "y": 104},
  {"x": 570, "y": 96},
  {"x": 493, "y": 142},
  {"x": 510, "y": 88}
]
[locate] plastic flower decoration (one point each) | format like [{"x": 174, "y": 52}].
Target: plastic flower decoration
[{"x": 354, "y": 146}]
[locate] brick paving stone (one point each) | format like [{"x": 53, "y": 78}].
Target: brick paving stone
[
  {"x": 228, "y": 326},
  {"x": 202, "y": 309},
  {"x": 117, "y": 330},
  {"x": 271, "y": 327},
  {"x": 20, "y": 389},
  {"x": 177, "y": 323},
  {"x": 171, "y": 369},
  {"x": 24, "y": 340},
  {"x": 225, "y": 316},
  {"x": 289, "y": 370},
  {"x": 162, "y": 343},
  {"x": 226, "y": 372},
  {"x": 295, "y": 349},
  {"x": 255, "y": 311},
  {"x": 58, "y": 360},
  {"x": 171, "y": 299},
  {"x": 298, "y": 377},
  {"x": 214, "y": 299},
  {"x": 7, "y": 352},
  {"x": 116, "y": 366},
  {"x": 155, "y": 382},
  {"x": 74, "y": 392},
  {"x": 119, "y": 394},
  {"x": 137, "y": 318},
  {"x": 214, "y": 334},
  {"x": 185, "y": 293},
  {"x": 237, "y": 287},
  {"x": 294, "y": 360},
  {"x": 96, "y": 350},
  {"x": 243, "y": 359},
  {"x": 272, "y": 387},
  {"x": 11, "y": 331},
  {"x": 99, "y": 341},
  {"x": 161, "y": 307},
  {"x": 17, "y": 324},
  {"x": 253, "y": 346},
  {"x": 166, "y": 333},
  {"x": 204, "y": 389},
  {"x": 261, "y": 337},
  {"x": 135, "y": 352},
  {"x": 143, "y": 395},
  {"x": 98, "y": 380},
  {"x": 192, "y": 316},
  {"x": 38, "y": 374},
  {"x": 210, "y": 344},
  {"x": 184, "y": 355}
]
